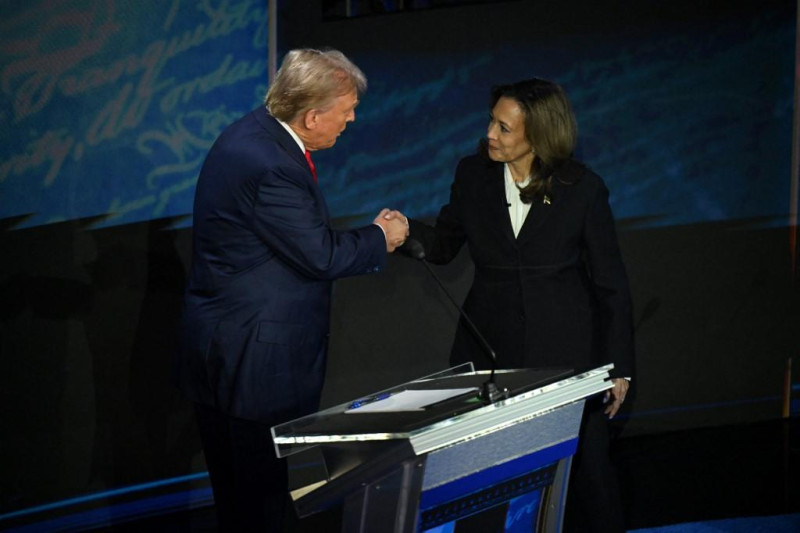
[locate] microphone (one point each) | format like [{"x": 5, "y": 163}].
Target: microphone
[{"x": 489, "y": 391}]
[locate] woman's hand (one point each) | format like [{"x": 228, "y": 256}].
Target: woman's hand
[{"x": 615, "y": 396}]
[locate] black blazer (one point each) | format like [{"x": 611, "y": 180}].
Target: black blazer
[
  {"x": 256, "y": 313},
  {"x": 555, "y": 296}
]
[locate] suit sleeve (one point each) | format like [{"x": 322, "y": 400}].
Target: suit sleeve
[
  {"x": 443, "y": 241},
  {"x": 290, "y": 219},
  {"x": 610, "y": 283}
]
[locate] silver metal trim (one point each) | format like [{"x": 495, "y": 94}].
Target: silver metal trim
[{"x": 478, "y": 422}]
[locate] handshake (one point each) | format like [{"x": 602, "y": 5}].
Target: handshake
[{"x": 395, "y": 228}]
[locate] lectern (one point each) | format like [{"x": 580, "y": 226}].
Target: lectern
[{"x": 430, "y": 456}]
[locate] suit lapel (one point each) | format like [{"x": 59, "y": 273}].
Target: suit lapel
[
  {"x": 495, "y": 196},
  {"x": 282, "y": 137},
  {"x": 291, "y": 148},
  {"x": 540, "y": 210},
  {"x": 567, "y": 176}
]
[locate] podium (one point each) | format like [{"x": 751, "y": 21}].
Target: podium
[{"x": 398, "y": 464}]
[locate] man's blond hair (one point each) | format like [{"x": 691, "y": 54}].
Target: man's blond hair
[{"x": 311, "y": 79}]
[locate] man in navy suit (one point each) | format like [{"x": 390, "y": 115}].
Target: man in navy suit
[{"x": 257, "y": 304}]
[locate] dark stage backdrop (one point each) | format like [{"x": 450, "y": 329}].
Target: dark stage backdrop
[
  {"x": 686, "y": 110},
  {"x": 109, "y": 107}
]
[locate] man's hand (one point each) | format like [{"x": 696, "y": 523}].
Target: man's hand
[
  {"x": 615, "y": 396},
  {"x": 395, "y": 228}
]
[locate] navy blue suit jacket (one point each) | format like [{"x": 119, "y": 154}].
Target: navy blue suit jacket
[{"x": 256, "y": 313}]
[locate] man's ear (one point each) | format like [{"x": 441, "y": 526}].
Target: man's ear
[{"x": 310, "y": 119}]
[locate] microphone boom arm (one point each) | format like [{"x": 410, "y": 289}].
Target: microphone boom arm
[{"x": 489, "y": 391}]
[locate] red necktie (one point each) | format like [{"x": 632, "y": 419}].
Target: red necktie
[{"x": 311, "y": 165}]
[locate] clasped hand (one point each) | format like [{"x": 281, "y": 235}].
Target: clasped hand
[{"x": 395, "y": 226}]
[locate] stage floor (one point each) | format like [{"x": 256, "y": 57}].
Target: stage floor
[{"x": 673, "y": 478}]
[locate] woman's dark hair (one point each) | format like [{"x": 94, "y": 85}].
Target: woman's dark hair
[{"x": 549, "y": 127}]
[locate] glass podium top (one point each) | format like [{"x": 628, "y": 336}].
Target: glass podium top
[{"x": 531, "y": 392}]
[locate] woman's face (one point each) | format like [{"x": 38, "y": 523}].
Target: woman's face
[{"x": 506, "y": 133}]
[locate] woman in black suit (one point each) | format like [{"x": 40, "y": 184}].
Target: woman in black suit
[{"x": 550, "y": 287}]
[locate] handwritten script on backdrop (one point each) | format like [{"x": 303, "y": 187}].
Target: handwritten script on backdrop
[{"x": 110, "y": 106}]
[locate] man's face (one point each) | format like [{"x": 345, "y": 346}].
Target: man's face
[{"x": 332, "y": 121}]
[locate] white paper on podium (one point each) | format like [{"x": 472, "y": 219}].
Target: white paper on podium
[{"x": 409, "y": 400}]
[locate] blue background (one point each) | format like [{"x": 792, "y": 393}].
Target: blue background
[
  {"x": 687, "y": 122},
  {"x": 109, "y": 109}
]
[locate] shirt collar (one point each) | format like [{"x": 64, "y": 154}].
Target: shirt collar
[
  {"x": 509, "y": 179},
  {"x": 293, "y": 134}
]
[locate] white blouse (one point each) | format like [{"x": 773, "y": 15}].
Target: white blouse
[{"x": 517, "y": 210}]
